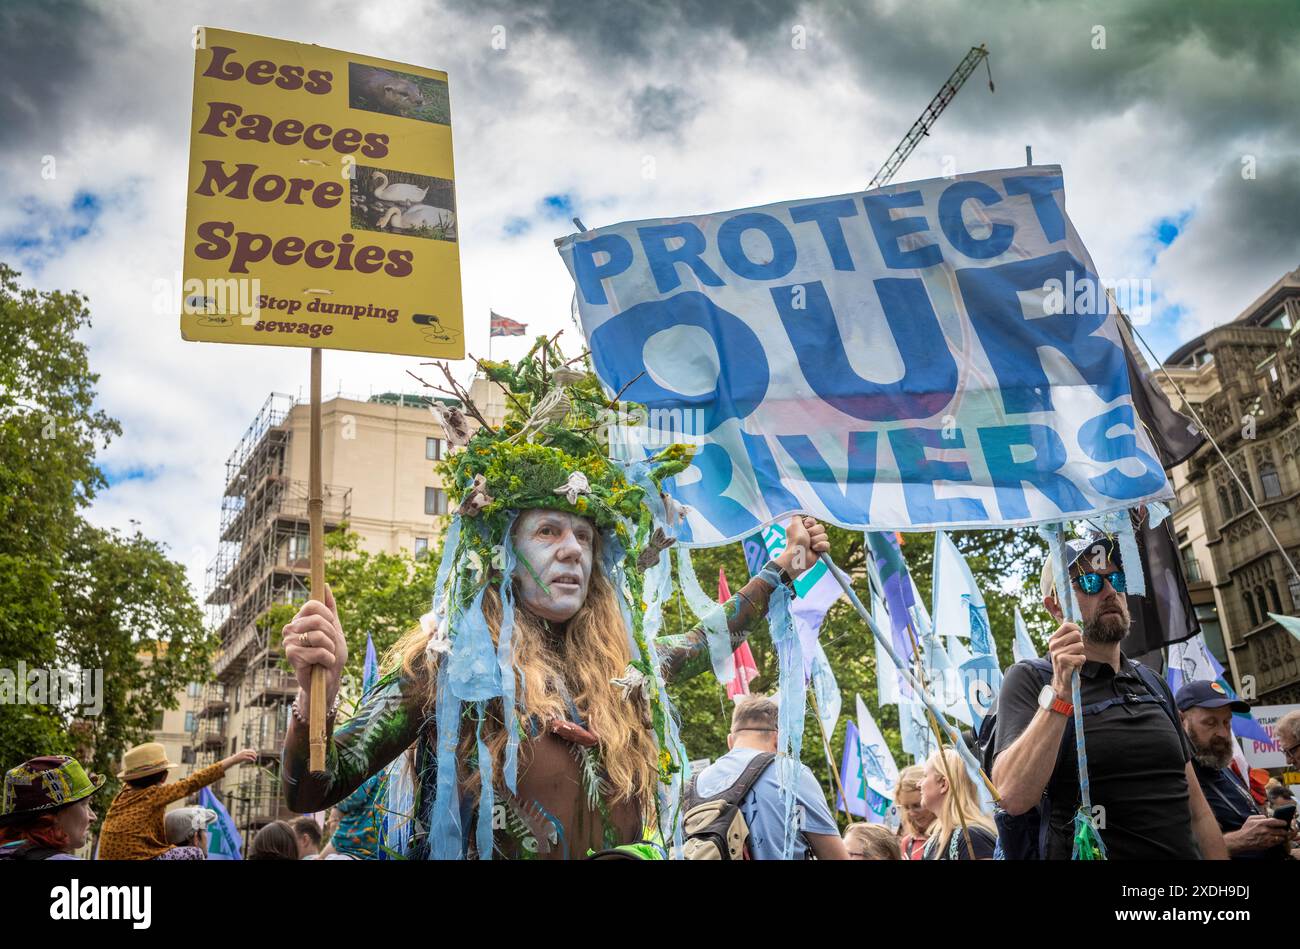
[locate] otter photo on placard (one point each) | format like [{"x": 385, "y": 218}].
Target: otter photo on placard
[
  {"x": 399, "y": 202},
  {"x": 398, "y": 93}
]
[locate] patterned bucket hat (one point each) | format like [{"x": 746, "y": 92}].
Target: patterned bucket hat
[{"x": 46, "y": 783}]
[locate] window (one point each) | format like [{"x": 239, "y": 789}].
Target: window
[
  {"x": 435, "y": 501},
  {"x": 1269, "y": 480},
  {"x": 433, "y": 449},
  {"x": 189, "y": 721},
  {"x": 1237, "y": 505},
  {"x": 299, "y": 547},
  {"x": 421, "y": 548},
  {"x": 1250, "y": 609}
]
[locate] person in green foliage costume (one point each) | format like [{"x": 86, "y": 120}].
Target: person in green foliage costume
[{"x": 540, "y": 647}]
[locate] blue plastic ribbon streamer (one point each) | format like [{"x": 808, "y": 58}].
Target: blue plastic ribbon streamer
[
  {"x": 445, "y": 842},
  {"x": 1119, "y": 524},
  {"x": 483, "y": 838},
  {"x": 792, "y": 701},
  {"x": 472, "y": 669},
  {"x": 658, "y": 588},
  {"x": 612, "y": 553},
  {"x": 709, "y": 612},
  {"x": 399, "y": 808},
  {"x": 450, "y": 543},
  {"x": 505, "y": 656}
]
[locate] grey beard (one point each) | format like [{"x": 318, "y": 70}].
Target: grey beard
[
  {"x": 1103, "y": 634},
  {"x": 1209, "y": 759}
]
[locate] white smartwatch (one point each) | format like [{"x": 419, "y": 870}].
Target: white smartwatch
[{"x": 1047, "y": 699}]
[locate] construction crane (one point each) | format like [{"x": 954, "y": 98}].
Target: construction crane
[{"x": 921, "y": 127}]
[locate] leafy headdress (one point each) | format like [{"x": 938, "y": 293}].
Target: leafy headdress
[{"x": 548, "y": 453}]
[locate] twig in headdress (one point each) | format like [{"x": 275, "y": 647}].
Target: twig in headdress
[
  {"x": 504, "y": 388},
  {"x": 620, "y": 392}
]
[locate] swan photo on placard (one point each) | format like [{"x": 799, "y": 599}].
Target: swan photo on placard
[
  {"x": 399, "y": 202},
  {"x": 405, "y": 94}
]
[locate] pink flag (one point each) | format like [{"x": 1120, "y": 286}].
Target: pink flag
[{"x": 742, "y": 660}]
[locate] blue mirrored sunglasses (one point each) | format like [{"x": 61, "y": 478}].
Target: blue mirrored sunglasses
[{"x": 1090, "y": 583}]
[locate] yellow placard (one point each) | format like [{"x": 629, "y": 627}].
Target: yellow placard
[{"x": 322, "y": 206}]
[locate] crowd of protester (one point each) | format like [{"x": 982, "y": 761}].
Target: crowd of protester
[{"x": 1163, "y": 781}]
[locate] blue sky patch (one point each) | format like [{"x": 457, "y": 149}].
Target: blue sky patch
[
  {"x": 47, "y": 229},
  {"x": 118, "y": 474}
]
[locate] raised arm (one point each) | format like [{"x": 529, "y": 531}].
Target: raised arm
[{"x": 686, "y": 655}]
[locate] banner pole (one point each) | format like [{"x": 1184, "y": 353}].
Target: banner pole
[
  {"x": 836, "y": 784},
  {"x": 315, "y": 511},
  {"x": 907, "y": 673}
]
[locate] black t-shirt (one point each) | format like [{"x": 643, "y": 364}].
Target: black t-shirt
[
  {"x": 1232, "y": 803},
  {"x": 1137, "y": 760},
  {"x": 959, "y": 845}
]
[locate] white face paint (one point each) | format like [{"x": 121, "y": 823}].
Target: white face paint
[{"x": 558, "y": 546}]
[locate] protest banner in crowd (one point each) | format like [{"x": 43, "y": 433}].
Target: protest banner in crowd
[
  {"x": 938, "y": 353},
  {"x": 321, "y": 208}
]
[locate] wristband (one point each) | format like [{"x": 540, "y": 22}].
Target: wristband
[
  {"x": 329, "y": 716},
  {"x": 774, "y": 575}
]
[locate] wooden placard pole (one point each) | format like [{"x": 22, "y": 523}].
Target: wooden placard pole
[{"x": 315, "y": 518}]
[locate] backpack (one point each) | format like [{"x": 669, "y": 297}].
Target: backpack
[
  {"x": 715, "y": 828},
  {"x": 28, "y": 851},
  {"x": 1026, "y": 836}
]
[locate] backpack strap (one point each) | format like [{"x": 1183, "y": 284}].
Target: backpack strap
[{"x": 745, "y": 783}]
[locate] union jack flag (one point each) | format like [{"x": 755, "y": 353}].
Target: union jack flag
[{"x": 501, "y": 326}]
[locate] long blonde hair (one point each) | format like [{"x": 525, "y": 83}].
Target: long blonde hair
[
  {"x": 961, "y": 801},
  {"x": 591, "y": 650}
]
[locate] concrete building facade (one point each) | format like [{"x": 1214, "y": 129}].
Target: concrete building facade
[{"x": 1243, "y": 379}]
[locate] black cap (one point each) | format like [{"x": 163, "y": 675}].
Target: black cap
[
  {"x": 1075, "y": 550},
  {"x": 1202, "y": 693}
]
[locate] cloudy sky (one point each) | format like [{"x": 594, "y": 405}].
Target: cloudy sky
[{"x": 1176, "y": 123}]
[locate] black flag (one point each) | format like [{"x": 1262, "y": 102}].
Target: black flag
[{"x": 1165, "y": 615}]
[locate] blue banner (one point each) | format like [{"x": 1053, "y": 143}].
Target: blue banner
[{"x": 938, "y": 353}]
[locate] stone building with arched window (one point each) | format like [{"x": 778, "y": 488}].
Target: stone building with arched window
[{"x": 1243, "y": 379}]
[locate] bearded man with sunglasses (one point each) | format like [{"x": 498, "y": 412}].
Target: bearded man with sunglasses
[{"x": 1147, "y": 803}]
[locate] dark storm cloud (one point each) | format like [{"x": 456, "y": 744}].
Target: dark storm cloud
[
  {"x": 633, "y": 28},
  {"x": 46, "y": 56},
  {"x": 658, "y": 110},
  {"x": 1208, "y": 69}
]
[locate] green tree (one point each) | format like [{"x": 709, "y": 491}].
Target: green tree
[
  {"x": 49, "y": 431},
  {"x": 75, "y": 598},
  {"x": 130, "y": 618}
]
